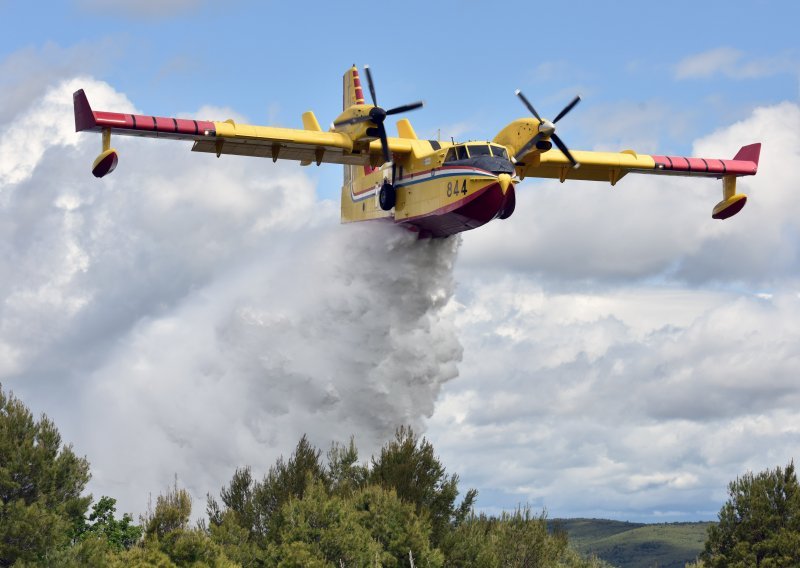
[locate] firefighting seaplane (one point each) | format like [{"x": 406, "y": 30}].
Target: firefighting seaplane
[{"x": 432, "y": 187}]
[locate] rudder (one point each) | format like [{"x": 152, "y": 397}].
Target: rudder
[{"x": 352, "y": 92}]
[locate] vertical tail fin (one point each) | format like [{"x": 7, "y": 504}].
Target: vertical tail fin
[
  {"x": 352, "y": 94},
  {"x": 749, "y": 153}
]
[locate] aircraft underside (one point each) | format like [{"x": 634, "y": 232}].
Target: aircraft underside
[{"x": 472, "y": 212}]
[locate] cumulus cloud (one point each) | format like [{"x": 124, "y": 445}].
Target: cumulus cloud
[
  {"x": 25, "y": 74},
  {"x": 639, "y": 355},
  {"x": 656, "y": 226},
  {"x": 623, "y": 354},
  {"x": 189, "y": 314}
]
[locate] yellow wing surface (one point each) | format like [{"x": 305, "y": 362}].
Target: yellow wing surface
[
  {"x": 307, "y": 145},
  {"x": 612, "y": 166},
  {"x": 355, "y": 140}
]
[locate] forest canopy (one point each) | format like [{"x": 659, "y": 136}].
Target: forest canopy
[{"x": 400, "y": 508}]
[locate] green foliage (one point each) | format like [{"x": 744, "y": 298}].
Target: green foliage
[
  {"x": 169, "y": 540},
  {"x": 759, "y": 525},
  {"x": 41, "y": 481},
  {"x": 171, "y": 514},
  {"x": 119, "y": 533},
  {"x": 409, "y": 466},
  {"x": 344, "y": 473},
  {"x": 636, "y": 545},
  {"x": 521, "y": 539},
  {"x": 400, "y": 512},
  {"x": 236, "y": 541},
  {"x": 514, "y": 539},
  {"x": 327, "y": 526},
  {"x": 396, "y": 527},
  {"x": 254, "y": 504}
]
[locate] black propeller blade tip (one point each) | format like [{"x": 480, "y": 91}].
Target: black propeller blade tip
[{"x": 567, "y": 108}]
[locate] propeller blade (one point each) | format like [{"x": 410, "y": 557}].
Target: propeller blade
[
  {"x": 527, "y": 147},
  {"x": 405, "y": 108},
  {"x": 563, "y": 148},
  {"x": 384, "y": 142},
  {"x": 567, "y": 108},
  {"x": 371, "y": 85},
  {"x": 528, "y": 104},
  {"x": 354, "y": 120}
]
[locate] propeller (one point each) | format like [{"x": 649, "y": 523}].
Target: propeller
[
  {"x": 377, "y": 115},
  {"x": 547, "y": 130}
]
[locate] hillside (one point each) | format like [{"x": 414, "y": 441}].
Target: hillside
[{"x": 636, "y": 545}]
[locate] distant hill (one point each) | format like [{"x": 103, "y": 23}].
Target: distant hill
[{"x": 636, "y": 545}]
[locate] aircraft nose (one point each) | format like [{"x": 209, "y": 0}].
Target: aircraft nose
[{"x": 504, "y": 180}]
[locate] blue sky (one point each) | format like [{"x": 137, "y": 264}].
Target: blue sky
[
  {"x": 272, "y": 61},
  {"x": 601, "y": 353}
]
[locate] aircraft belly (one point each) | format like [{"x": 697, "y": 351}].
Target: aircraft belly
[{"x": 431, "y": 211}]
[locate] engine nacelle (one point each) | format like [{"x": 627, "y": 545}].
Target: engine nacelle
[
  {"x": 732, "y": 202},
  {"x": 105, "y": 163}
]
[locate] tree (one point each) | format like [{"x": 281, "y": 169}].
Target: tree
[
  {"x": 321, "y": 530},
  {"x": 396, "y": 527},
  {"x": 759, "y": 525},
  {"x": 516, "y": 539},
  {"x": 41, "y": 481},
  {"x": 345, "y": 474},
  {"x": 254, "y": 504},
  {"x": 120, "y": 534},
  {"x": 169, "y": 538},
  {"x": 172, "y": 513},
  {"x": 409, "y": 466}
]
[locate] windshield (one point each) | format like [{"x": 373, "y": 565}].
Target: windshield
[
  {"x": 500, "y": 152},
  {"x": 482, "y": 150}
]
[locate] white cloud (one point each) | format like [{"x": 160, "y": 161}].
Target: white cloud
[
  {"x": 25, "y": 74},
  {"x": 191, "y": 314},
  {"x": 732, "y": 63},
  {"x": 624, "y": 355},
  {"x": 638, "y": 355},
  {"x": 655, "y": 226}
]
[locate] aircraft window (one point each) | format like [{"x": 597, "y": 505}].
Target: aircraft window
[
  {"x": 482, "y": 150},
  {"x": 500, "y": 152},
  {"x": 462, "y": 152},
  {"x": 451, "y": 155}
]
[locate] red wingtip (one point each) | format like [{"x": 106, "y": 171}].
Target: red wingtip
[
  {"x": 84, "y": 117},
  {"x": 749, "y": 153}
]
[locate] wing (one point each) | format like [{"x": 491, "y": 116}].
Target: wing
[
  {"x": 612, "y": 166},
  {"x": 307, "y": 145}
]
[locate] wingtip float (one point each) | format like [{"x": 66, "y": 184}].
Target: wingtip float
[{"x": 435, "y": 188}]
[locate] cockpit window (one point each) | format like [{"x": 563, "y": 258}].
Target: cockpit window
[
  {"x": 462, "y": 152},
  {"x": 479, "y": 150},
  {"x": 451, "y": 155},
  {"x": 500, "y": 152}
]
